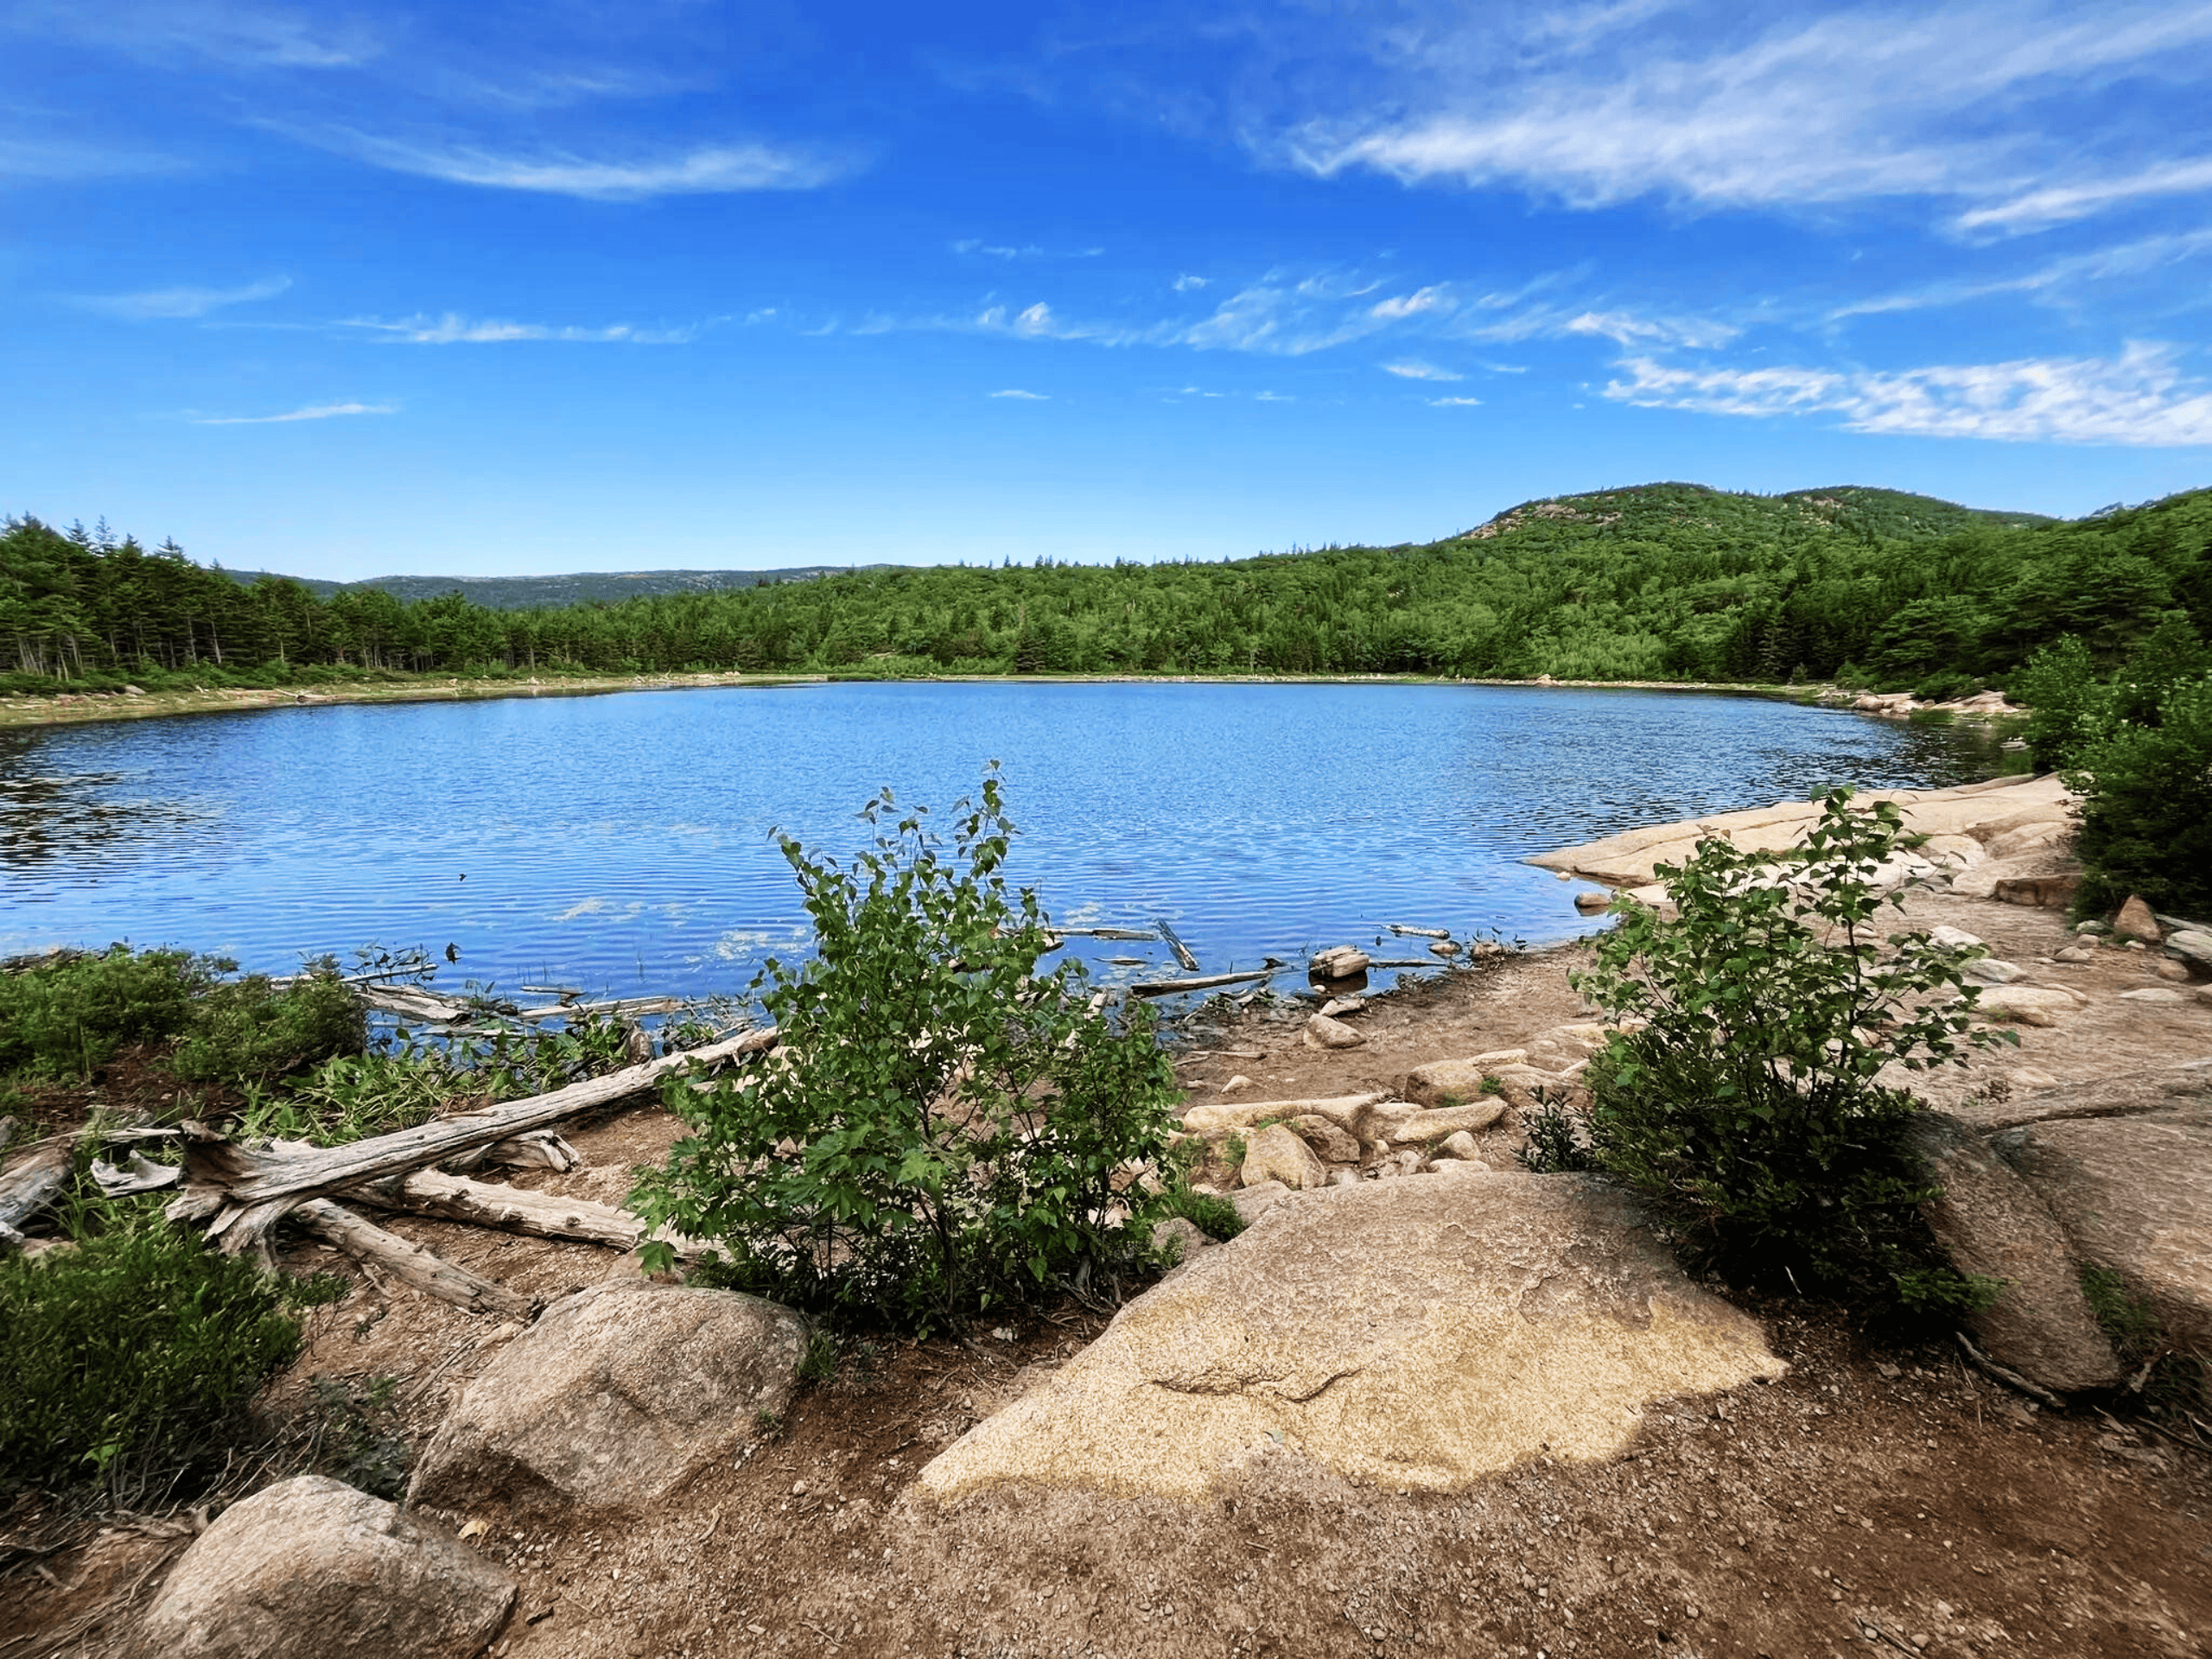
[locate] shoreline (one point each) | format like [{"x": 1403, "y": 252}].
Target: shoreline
[{"x": 24, "y": 711}]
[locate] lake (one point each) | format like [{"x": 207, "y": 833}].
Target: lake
[{"x": 621, "y": 843}]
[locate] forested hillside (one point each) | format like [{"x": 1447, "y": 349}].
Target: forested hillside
[
  {"x": 1659, "y": 581},
  {"x": 549, "y": 592}
]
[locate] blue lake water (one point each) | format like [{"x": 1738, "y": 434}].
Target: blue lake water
[{"x": 621, "y": 843}]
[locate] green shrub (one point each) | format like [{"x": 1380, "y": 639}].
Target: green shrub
[
  {"x": 132, "y": 1355},
  {"x": 247, "y": 1028},
  {"x": 952, "y": 1129},
  {"x": 1215, "y": 1217},
  {"x": 1746, "y": 1111},
  {"x": 2146, "y": 808}
]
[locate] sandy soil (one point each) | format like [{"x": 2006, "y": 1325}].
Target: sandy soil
[{"x": 1872, "y": 1500}]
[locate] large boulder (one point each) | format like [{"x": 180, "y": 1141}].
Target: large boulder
[
  {"x": 1276, "y": 1153},
  {"x": 311, "y": 1568},
  {"x": 1420, "y": 1128},
  {"x": 615, "y": 1397},
  {"x": 1413, "y": 1333},
  {"x": 2134, "y": 1194},
  {"x": 1989, "y": 1223},
  {"x": 2136, "y": 921},
  {"x": 1449, "y": 1083}
]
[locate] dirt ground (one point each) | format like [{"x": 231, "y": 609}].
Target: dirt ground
[{"x": 1873, "y": 1499}]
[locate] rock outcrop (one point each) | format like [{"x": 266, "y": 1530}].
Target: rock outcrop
[
  {"x": 615, "y": 1397},
  {"x": 310, "y": 1568},
  {"x": 1414, "y": 1333}
]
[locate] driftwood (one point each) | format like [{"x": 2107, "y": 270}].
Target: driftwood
[
  {"x": 235, "y": 1187},
  {"x": 541, "y": 1215},
  {"x": 1206, "y": 983},
  {"x": 1421, "y": 932},
  {"x": 621, "y": 1006},
  {"x": 412, "y": 1002},
  {"x": 32, "y": 1184},
  {"x": 411, "y": 1263},
  {"x": 1182, "y": 951},
  {"x": 1104, "y": 933},
  {"x": 134, "y": 1174}
]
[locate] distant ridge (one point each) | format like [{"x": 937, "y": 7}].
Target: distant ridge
[
  {"x": 579, "y": 588},
  {"x": 1857, "y": 507}
]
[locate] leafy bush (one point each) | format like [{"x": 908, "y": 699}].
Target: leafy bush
[
  {"x": 1747, "y": 1109},
  {"x": 65, "y": 1015},
  {"x": 132, "y": 1354},
  {"x": 950, "y": 1127}
]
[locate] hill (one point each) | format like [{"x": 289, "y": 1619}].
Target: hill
[{"x": 543, "y": 593}]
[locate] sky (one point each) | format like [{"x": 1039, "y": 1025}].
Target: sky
[{"x": 492, "y": 287}]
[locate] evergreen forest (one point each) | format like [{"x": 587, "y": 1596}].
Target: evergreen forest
[{"x": 1661, "y": 581}]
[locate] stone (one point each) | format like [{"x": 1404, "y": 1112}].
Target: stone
[
  {"x": 1178, "y": 1238},
  {"x": 1337, "y": 1007},
  {"x": 2092, "y": 929},
  {"x": 2134, "y": 1194},
  {"x": 1218, "y": 1116},
  {"x": 2076, "y": 953},
  {"x": 2029, "y": 1078},
  {"x": 1422, "y": 1127},
  {"x": 1321, "y": 1032},
  {"x": 1990, "y": 1223},
  {"x": 1458, "y": 1166},
  {"x": 1340, "y": 961},
  {"x": 1417, "y": 1334},
  {"x": 1240, "y": 1081},
  {"x": 2026, "y": 1004},
  {"x": 615, "y": 1397},
  {"x": 2135, "y": 921},
  {"x": 1956, "y": 937},
  {"x": 2154, "y": 994},
  {"x": 1458, "y": 1144},
  {"x": 310, "y": 1568},
  {"x": 1329, "y": 1140},
  {"x": 1989, "y": 970},
  {"x": 1443, "y": 948},
  {"x": 2040, "y": 890},
  {"x": 2191, "y": 946},
  {"x": 1589, "y": 900},
  {"x": 1251, "y": 1202},
  {"x": 2173, "y": 970},
  {"x": 1276, "y": 1153}
]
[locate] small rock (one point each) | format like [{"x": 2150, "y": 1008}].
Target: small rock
[
  {"x": 1446, "y": 1122},
  {"x": 2154, "y": 994},
  {"x": 310, "y": 1567},
  {"x": 1956, "y": 937},
  {"x": 2076, "y": 953},
  {"x": 1329, "y": 1140},
  {"x": 1459, "y": 1167},
  {"x": 2192, "y": 944},
  {"x": 1592, "y": 899},
  {"x": 2173, "y": 970},
  {"x": 2092, "y": 929},
  {"x": 1277, "y": 1153},
  {"x": 1340, "y": 961},
  {"x": 1443, "y": 948},
  {"x": 1336, "y": 1007},
  {"x": 2026, "y": 1004},
  {"x": 1321, "y": 1032},
  {"x": 1240, "y": 1081},
  {"x": 1988, "y": 970},
  {"x": 2029, "y": 1078},
  {"x": 2135, "y": 921},
  {"x": 1458, "y": 1144}
]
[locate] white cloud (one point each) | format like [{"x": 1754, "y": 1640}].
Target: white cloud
[
  {"x": 1414, "y": 369},
  {"x": 2055, "y": 276},
  {"x": 2055, "y": 204},
  {"x": 1625, "y": 329},
  {"x": 173, "y": 303},
  {"x": 1455, "y": 402},
  {"x": 236, "y": 35},
  {"x": 320, "y": 412},
  {"x": 712, "y": 169},
  {"x": 1187, "y": 284},
  {"x": 1274, "y": 397},
  {"x": 1024, "y": 397},
  {"x": 1027, "y": 251},
  {"x": 2142, "y": 397},
  {"x": 1609, "y": 104},
  {"x": 1427, "y": 299},
  {"x": 452, "y": 329}
]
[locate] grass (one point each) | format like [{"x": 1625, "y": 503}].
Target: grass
[
  {"x": 2168, "y": 1381},
  {"x": 1215, "y": 1217}
]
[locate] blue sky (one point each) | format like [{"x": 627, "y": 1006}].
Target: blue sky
[{"x": 563, "y": 286}]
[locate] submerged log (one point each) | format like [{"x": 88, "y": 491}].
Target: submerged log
[
  {"x": 1182, "y": 951},
  {"x": 1205, "y": 983},
  {"x": 229, "y": 1183},
  {"x": 433, "y": 1275}
]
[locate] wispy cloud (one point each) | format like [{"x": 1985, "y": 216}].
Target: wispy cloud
[
  {"x": 64, "y": 161},
  {"x": 176, "y": 303},
  {"x": 1019, "y": 396},
  {"x": 452, "y": 329},
  {"x": 1414, "y": 369},
  {"x": 2054, "y": 278},
  {"x": 320, "y": 412},
  {"x": 235, "y": 36},
  {"x": 1858, "y": 102},
  {"x": 714, "y": 170},
  {"x": 1029, "y": 250},
  {"x": 1433, "y": 298},
  {"x": 2142, "y": 397},
  {"x": 1625, "y": 329},
  {"x": 2055, "y": 204},
  {"x": 1455, "y": 402},
  {"x": 1187, "y": 284}
]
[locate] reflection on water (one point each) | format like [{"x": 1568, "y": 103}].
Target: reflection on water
[{"x": 618, "y": 842}]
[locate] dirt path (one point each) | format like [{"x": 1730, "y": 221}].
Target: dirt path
[{"x": 1872, "y": 1501}]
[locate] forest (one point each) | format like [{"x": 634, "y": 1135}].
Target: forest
[{"x": 1661, "y": 581}]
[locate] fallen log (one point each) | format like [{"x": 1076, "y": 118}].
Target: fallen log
[
  {"x": 1421, "y": 932},
  {"x": 1205, "y": 983},
  {"x": 34, "y": 1184},
  {"x": 511, "y": 1209},
  {"x": 229, "y": 1184},
  {"x": 433, "y": 1275},
  {"x": 1104, "y": 933},
  {"x": 621, "y": 1006},
  {"x": 1182, "y": 951}
]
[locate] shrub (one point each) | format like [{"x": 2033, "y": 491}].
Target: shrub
[
  {"x": 1215, "y": 1217},
  {"x": 2146, "y": 808},
  {"x": 1747, "y": 1109},
  {"x": 133, "y": 1353},
  {"x": 952, "y": 1127},
  {"x": 247, "y": 1028}
]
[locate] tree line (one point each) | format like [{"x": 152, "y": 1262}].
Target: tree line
[{"x": 1670, "y": 581}]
